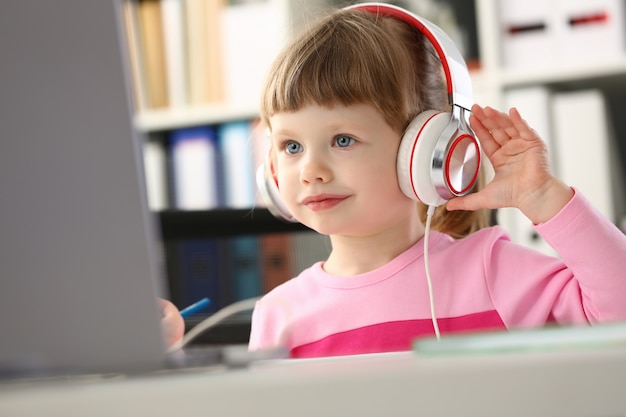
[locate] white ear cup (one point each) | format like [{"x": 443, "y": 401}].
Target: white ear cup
[
  {"x": 269, "y": 193},
  {"x": 415, "y": 156}
]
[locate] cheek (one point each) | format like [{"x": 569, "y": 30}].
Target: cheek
[
  {"x": 383, "y": 174},
  {"x": 287, "y": 184}
]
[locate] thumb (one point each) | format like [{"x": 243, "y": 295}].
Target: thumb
[{"x": 468, "y": 202}]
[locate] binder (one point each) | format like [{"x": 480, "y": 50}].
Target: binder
[
  {"x": 236, "y": 155},
  {"x": 582, "y": 141},
  {"x": 196, "y": 271},
  {"x": 155, "y": 166},
  {"x": 195, "y": 168}
]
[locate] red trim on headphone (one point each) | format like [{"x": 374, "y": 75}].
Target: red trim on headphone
[
  {"x": 449, "y": 156},
  {"x": 416, "y": 23},
  {"x": 273, "y": 171},
  {"x": 413, "y": 152}
]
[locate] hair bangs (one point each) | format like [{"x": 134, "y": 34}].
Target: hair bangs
[{"x": 339, "y": 65}]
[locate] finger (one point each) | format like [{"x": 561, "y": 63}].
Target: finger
[
  {"x": 500, "y": 125},
  {"x": 525, "y": 131},
  {"x": 469, "y": 202},
  {"x": 487, "y": 142}
]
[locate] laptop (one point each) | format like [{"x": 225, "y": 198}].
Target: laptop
[{"x": 80, "y": 261}]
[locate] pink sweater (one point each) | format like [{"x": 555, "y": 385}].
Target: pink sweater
[{"x": 483, "y": 281}]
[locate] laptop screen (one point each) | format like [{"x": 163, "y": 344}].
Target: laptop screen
[{"x": 79, "y": 269}]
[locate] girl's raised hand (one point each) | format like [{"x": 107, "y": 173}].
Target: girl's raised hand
[{"x": 522, "y": 174}]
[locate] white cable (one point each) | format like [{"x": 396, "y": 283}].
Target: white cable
[
  {"x": 214, "y": 319},
  {"x": 433, "y": 316}
]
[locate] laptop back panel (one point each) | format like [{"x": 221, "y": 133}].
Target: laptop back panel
[{"x": 79, "y": 265}]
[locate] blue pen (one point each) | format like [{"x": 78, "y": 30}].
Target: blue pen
[{"x": 195, "y": 307}]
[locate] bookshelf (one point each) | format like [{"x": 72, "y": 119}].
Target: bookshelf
[{"x": 494, "y": 82}]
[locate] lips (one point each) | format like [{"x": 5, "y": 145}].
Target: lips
[{"x": 323, "y": 201}]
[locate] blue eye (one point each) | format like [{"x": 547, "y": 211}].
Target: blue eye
[
  {"x": 344, "y": 141},
  {"x": 292, "y": 147}
]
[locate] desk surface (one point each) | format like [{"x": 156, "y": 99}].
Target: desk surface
[{"x": 590, "y": 382}]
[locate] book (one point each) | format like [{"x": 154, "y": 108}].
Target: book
[
  {"x": 195, "y": 168},
  {"x": 134, "y": 49},
  {"x": 215, "y": 55},
  {"x": 172, "y": 16},
  {"x": 204, "y": 62},
  {"x": 237, "y": 164},
  {"x": 151, "y": 30}
]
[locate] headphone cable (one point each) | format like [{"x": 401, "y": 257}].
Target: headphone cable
[{"x": 433, "y": 316}]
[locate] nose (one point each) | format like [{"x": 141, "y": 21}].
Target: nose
[{"x": 315, "y": 168}]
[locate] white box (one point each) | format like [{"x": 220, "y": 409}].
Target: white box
[
  {"x": 527, "y": 30},
  {"x": 589, "y": 29}
]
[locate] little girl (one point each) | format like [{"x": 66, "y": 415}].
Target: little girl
[{"x": 336, "y": 103}]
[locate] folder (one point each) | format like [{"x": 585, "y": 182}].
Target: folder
[
  {"x": 238, "y": 172},
  {"x": 582, "y": 141},
  {"x": 155, "y": 167},
  {"x": 195, "y": 168}
]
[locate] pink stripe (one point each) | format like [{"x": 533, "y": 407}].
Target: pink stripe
[{"x": 393, "y": 336}]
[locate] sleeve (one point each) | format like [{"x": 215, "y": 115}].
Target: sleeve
[
  {"x": 268, "y": 326},
  {"x": 594, "y": 250},
  {"x": 586, "y": 284}
]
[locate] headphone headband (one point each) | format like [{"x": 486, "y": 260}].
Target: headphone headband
[{"x": 458, "y": 80}]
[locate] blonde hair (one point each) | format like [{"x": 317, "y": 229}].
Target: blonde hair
[{"x": 354, "y": 57}]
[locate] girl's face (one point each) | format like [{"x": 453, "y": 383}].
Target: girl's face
[{"x": 336, "y": 169}]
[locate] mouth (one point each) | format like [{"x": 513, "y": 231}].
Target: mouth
[{"x": 323, "y": 201}]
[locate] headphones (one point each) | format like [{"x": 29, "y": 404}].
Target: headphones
[{"x": 439, "y": 156}]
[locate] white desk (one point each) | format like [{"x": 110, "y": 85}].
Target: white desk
[{"x": 588, "y": 382}]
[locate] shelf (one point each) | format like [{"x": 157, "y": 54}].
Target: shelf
[
  {"x": 568, "y": 73},
  {"x": 595, "y": 72},
  {"x": 173, "y": 118},
  {"x": 189, "y": 224}
]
